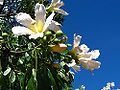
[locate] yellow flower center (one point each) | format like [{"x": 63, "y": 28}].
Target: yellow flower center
[
  {"x": 40, "y": 26},
  {"x": 37, "y": 27}
]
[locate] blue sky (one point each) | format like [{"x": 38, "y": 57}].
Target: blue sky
[{"x": 98, "y": 21}]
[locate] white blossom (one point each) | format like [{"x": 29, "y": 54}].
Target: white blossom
[
  {"x": 84, "y": 56},
  {"x": 55, "y": 6},
  {"x": 35, "y": 28}
]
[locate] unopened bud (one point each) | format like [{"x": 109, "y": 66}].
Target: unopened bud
[
  {"x": 56, "y": 65},
  {"x": 59, "y": 47}
]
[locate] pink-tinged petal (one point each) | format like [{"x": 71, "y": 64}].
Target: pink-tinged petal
[
  {"x": 61, "y": 11},
  {"x": 48, "y": 21},
  {"x": 36, "y": 35},
  {"x": 75, "y": 67},
  {"x": 40, "y": 13},
  {"x": 90, "y": 64},
  {"x": 54, "y": 26},
  {"x": 25, "y": 19},
  {"x": 90, "y": 55},
  {"x": 18, "y": 30}
]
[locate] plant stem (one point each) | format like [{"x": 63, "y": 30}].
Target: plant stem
[{"x": 36, "y": 60}]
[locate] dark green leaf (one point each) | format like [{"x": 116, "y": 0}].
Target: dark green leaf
[{"x": 12, "y": 77}]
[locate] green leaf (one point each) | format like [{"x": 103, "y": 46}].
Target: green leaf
[
  {"x": 7, "y": 71},
  {"x": 30, "y": 85},
  {"x": 52, "y": 80},
  {"x": 12, "y": 77}
]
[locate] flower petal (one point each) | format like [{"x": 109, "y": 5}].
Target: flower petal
[
  {"x": 54, "y": 26},
  {"x": 95, "y": 54},
  {"x": 55, "y": 1},
  {"x": 90, "y": 55},
  {"x": 40, "y": 13},
  {"x": 36, "y": 35},
  {"x": 75, "y": 67},
  {"x": 25, "y": 19},
  {"x": 59, "y": 4},
  {"x": 48, "y": 21},
  {"x": 84, "y": 48},
  {"x": 60, "y": 11},
  {"x": 21, "y": 31},
  {"x": 77, "y": 40},
  {"x": 90, "y": 64},
  {"x": 71, "y": 64}
]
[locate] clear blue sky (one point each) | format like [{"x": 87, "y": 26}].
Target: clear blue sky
[{"x": 98, "y": 21}]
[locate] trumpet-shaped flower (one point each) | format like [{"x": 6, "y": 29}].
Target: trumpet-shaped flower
[
  {"x": 55, "y": 6},
  {"x": 35, "y": 28},
  {"x": 85, "y": 57}
]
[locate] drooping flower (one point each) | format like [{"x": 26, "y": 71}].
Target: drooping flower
[
  {"x": 1, "y": 2},
  {"x": 55, "y": 6},
  {"x": 85, "y": 57},
  {"x": 35, "y": 28}
]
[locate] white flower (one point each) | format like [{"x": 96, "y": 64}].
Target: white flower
[
  {"x": 1, "y": 2},
  {"x": 55, "y": 6},
  {"x": 35, "y": 28},
  {"x": 112, "y": 84},
  {"x": 85, "y": 57}
]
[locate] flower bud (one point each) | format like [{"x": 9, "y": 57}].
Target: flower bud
[
  {"x": 56, "y": 65},
  {"x": 59, "y": 47},
  {"x": 59, "y": 33},
  {"x": 64, "y": 39},
  {"x": 44, "y": 38},
  {"x": 4, "y": 34},
  {"x": 56, "y": 41},
  {"x": 48, "y": 33}
]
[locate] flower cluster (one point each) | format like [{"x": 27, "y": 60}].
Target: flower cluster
[
  {"x": 36, "y": 28},
  {"x": 84, "y": 57}
]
